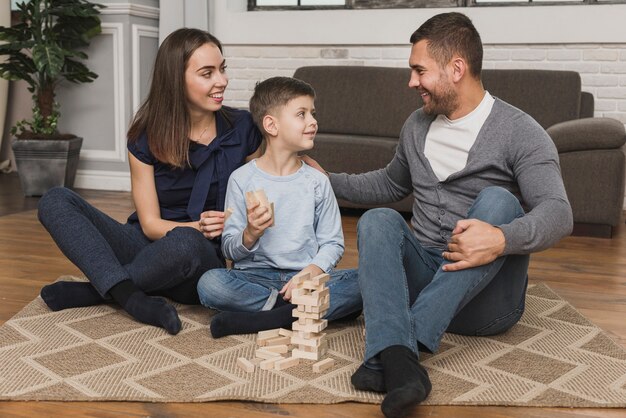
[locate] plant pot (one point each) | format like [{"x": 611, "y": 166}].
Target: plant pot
[{"x": 46, "y": 163}]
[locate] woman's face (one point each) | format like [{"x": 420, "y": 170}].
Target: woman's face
[{"x": 205, "y": 79}]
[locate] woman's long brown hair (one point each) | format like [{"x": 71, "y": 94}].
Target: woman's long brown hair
[{"x": 164, "y": 116}]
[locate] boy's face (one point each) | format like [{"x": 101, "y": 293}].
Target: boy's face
[{"x": 296, "y": 124}]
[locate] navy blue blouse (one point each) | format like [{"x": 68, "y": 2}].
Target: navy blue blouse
[{"x": 184, "y": 193}]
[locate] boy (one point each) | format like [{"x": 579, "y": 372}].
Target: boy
[{"x": 302, "y": 234}]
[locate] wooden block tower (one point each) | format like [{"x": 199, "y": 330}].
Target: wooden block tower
[{"x": 313, "y": 299}]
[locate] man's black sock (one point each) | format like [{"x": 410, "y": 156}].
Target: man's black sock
[
  {"x": 368, "y": 379},
  {"x": 229, "y": 323},
  {"x": 151, "y": 310},
  {"x": 64, "y": 295},
  {"x": 406, "y": 381}
]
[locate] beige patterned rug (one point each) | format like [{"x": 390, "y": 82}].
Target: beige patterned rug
[{"x": 553, "y": 357}]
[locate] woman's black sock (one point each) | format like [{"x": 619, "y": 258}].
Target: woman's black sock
[
  {"x": 229, "y": 323},
  {"x": 406, "y": 381},
  {"x": 64, "y": 295},
  {"x": 151, "y": 310}
]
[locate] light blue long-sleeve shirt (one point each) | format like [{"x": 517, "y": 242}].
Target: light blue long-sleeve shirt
[{"x": 307, "y": 223}]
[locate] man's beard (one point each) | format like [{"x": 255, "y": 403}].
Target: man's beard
[{"x": 444, "y": 102}]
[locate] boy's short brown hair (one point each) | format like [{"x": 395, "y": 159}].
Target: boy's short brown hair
[{"x": 276, "y": 92}]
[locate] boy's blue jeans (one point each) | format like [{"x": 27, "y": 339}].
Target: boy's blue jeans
[
  {"x": 407, "y": 297},
  {"x": 253, "y": 290}
]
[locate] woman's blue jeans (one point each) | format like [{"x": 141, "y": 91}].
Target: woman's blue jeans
[
  {"x": 409, "y": 300},
  {"x": 253, "y": 290}
]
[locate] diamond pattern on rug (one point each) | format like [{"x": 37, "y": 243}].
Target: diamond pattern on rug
[
  {"x": 78, "y": 360},
  {"x": 553, "y": 357}
]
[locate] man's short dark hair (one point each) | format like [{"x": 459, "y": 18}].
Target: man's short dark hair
[
  {"x": 276, "y": 92},
  {"x": 452, "y": 33}
]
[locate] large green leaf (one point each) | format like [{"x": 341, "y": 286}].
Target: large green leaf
[{"x": 49, "y": 59}]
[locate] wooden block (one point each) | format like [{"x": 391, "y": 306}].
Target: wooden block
[
  {"x": 245, "y": 365},
  {"x": 300, "y": 278},
  {"x": 284, "y": 332},
  {"x": 227, "y": 213},
  {"x": 251, "y": 198},
  {"x": 283, "y": 348},
  {"x": 277, "y": 341},
  {"x": 264, "y": 354},
  {"x": 316, "y": 326},
  {"x": 305, "y": 355},
  {"x": 321, "y": 279},
  {"x": 256, "y": 361},
  {"x": 286, "y": 363},
  {"x": 318, "y": 309},
  {"x": 305, "y": 300},
  {"x": 303, "y": 315},
  {"x": 270, "y": 333},
  {"x": 325, "y": 364},
  {"x": 322, "y": 294},
  {"x": 263, "y": 336},
  {"x": 311, "y": 342},
  {"x": 268, "y": 364},
  {"x": 300, "y": 292}
]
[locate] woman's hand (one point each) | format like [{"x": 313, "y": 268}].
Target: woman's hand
[
  {"x": 314, "y": 270},
  {"x": 211, "y": 223}
]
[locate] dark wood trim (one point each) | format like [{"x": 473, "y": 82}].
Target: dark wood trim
[{"x": 592, "y": 230}]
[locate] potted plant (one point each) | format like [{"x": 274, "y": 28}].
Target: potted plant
[{"x": 45, "y": 47}]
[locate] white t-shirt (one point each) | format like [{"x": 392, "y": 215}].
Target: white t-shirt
[{"x": 448, "y": 142}]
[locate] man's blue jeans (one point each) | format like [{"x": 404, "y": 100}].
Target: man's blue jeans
[
  {"x": 407, "y": 297},
  {"x": 253, "y": 290}
]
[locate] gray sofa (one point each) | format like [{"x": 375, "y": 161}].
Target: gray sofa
[{"x": 361, "y": 110}]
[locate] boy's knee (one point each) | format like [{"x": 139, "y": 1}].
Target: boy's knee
[{"x": 212, "y": 289}]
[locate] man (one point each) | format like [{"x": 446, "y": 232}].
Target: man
[{"x": 469, "y": 159}]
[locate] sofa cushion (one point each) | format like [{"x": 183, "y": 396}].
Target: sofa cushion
[
  {"x": 352, "y": 154},
  {"x": 548, "y": 96},
  {"x": 374, "y": 101},
  {"x": 587, "y": 134}
]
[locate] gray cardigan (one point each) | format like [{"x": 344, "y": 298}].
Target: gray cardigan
[{"x": 511, "y": 151}]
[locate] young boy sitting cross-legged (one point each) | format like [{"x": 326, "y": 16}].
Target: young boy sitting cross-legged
[{"x": 303, "y": 234}]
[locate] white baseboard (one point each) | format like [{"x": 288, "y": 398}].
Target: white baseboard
[{"x": 102, "y": 180}]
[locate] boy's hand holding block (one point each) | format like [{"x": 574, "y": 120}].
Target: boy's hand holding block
[{"x": 259, "y": 196}]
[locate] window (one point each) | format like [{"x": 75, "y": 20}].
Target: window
[{"x": 392, "y": 4}]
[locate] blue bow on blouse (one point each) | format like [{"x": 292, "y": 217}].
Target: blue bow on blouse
[{"x": 205, "y": 161}]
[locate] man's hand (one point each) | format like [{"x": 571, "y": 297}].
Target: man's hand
[
  {"x": 473, "y": 243},
  {"x": 211, "y": 223},
  {"x": 287, "y": 288},
  {"x": 259, "y": 219},
  {"x": 310, "y": 161}
]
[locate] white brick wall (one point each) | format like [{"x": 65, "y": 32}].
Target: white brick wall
[{"x": 602, "y": 66}]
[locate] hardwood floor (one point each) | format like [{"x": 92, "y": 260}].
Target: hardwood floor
[{"x": 590, "y": 273}]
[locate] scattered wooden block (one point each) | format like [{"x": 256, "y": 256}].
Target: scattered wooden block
[
  {"x": 284, "y": 332},
  {"x": 268, "y": 364},
  {"x": 245, "y": 364},
  {"x": 286, "y": 363},
  {"x": 264, "y": 354},
  {"x": 270, "y": 333},
  {"x": 282, "y": 349},
  {"x": 325, "y": 364},
  {"x": 277, "y": 341}
]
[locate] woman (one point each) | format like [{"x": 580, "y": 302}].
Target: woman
[{"x": 183, "y": 145}]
